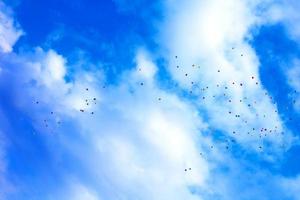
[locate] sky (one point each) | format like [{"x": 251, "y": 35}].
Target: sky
[{"x": 149, "y": 100}]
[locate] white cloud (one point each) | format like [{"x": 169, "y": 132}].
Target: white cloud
[
  {"x": 78, "y": 191},
  {"x": 54, "y": 70},
  {"x": 293, "y": 76},
  {"x": 291, "y": 186},
  {"x": 139, "y": 145},
  {"x": 213, "y": 36},
  {"x": 286, "y": 13},
  {"x": 140, "y": 138},
  {"x": 142, "y": 143},
  {"x": 3, "y": 181},
  {"x": 146, "y": 68},
  {"x": 6, "y": 187},
  {"x": 9, "y": 31}
]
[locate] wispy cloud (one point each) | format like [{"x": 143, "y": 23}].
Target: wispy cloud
[
  {"x": 146, "y": 138},
  {"x": 9, "y": 30},
  {"x": 293, "y": 75},
  {"x": 286, "y": 13},
  {"x": 215, "y": 58}
]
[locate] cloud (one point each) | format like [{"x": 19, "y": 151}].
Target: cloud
[
  {"x": 4, "y": 184},
  {"x": 293, "y": 75},
  {"x": 141, "y": 143},
  {"x": 291, "y": 186},
  {"x": 209, "y": 54},
  {"x": 147, "y": 138},
  {"x": 78, "y": 191},
  {"x": 286, "y": 13},
  {"x": 9, "y": 34},
  {"x": 9, "y": 30},
  {"x": 211, "y": 40}
]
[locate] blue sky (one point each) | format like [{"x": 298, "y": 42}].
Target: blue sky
[{"x": 149, "y": 100}]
